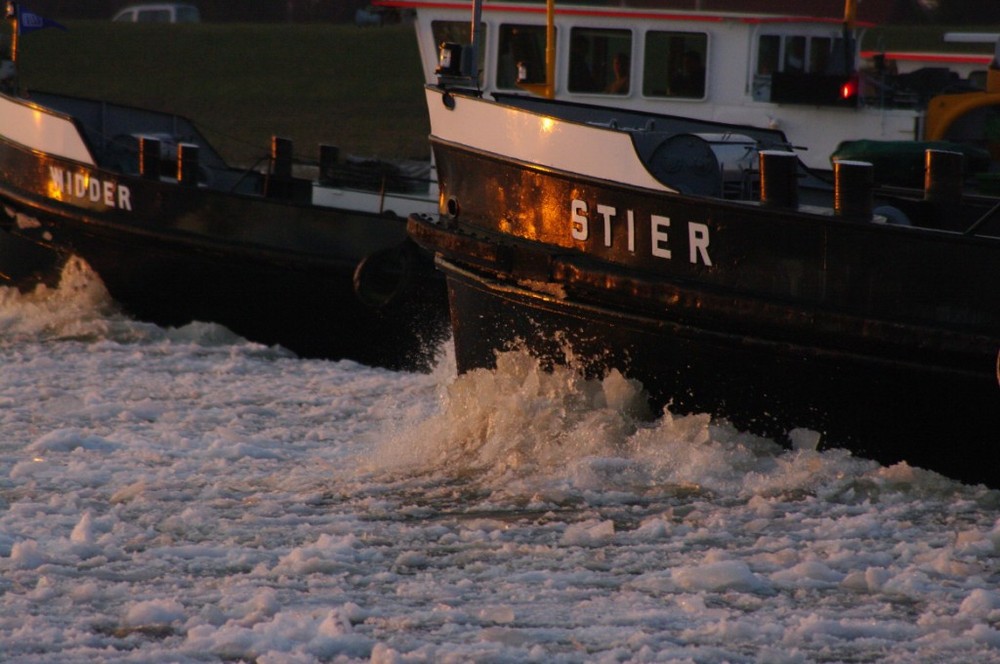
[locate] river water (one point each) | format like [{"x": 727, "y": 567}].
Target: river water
[{"x": 183, "y": 495}]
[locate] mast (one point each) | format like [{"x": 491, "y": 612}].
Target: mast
[
  {"x": 850, "y": 14},
  {"x": 548, "y": 88},
  {"x": 850, "y": 23},
  {"x": 476, "y": 30},
  {"x": 12, "y": 16},
  {"x": 8, "y": 60},
  {"x": 550, "y": 49}
]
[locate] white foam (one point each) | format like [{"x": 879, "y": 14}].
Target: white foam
[{"x": 175, "y": 496}]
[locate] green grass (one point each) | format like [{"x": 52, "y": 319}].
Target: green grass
[
  {"x": 928, "y": 38},
  {"x": 357, "y": 88}
]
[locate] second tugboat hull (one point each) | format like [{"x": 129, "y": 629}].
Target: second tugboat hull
[{"x": 177, "y": 239}]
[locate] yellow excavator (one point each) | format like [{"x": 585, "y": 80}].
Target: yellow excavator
[{"x": 943, "y": 110}]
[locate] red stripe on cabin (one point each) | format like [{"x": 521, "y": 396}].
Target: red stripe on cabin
[
  {"x": 957, "y": 58},
  {"x": 608, "y": 13}
]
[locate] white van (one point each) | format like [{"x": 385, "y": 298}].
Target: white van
[{"x": 168, "y": 12}]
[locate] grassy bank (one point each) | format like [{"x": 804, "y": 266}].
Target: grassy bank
[
  {"x": 929, "y": 38},
  {"x": 359, "y": 89}
]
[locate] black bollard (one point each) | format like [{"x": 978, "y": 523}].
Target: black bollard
[
  {"x": 281, "y": 158},
  {"x": 779, "y": 173},
  {"x": 328, "y": 157},
  {"x": 853, "y": 182},
  {"x": 943, "y": 176},
  {"x": 187, "y": 164},
  {"x": 279, "y": 178},
  {"x": 149, "y": 157}
]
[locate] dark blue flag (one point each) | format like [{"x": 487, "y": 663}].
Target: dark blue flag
[{"x": 29, "y": 22}]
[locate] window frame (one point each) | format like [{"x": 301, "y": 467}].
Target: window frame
[{"x": 674, "y": 58}]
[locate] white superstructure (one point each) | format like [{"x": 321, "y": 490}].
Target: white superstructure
[{"x": 799, "y": 75}]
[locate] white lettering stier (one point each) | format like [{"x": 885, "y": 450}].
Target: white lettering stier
[
  {"x": 630, "y": 220},
  {"x": 606, "y": 212},
  {"x": 579, "y": 228},
  {"x": 698, "y": 234},
  {"x": 658, "y": 230},
  {"x": 698, "y": 240}
]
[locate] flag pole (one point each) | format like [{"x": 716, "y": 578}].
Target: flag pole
[
  {"x": 12, "y": 14},
  {"x": 8, "y": 61},
  {"x": 548, "y": 88}
]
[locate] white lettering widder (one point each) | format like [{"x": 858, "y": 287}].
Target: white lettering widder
[{"x": 87, "y": 188}]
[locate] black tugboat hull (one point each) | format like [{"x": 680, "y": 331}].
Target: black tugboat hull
[
  {"x": 882, "y": 338},
  {"x": 930, "y": 417},
  {"x": 321, "y": 282}
]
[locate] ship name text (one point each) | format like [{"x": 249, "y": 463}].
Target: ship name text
[
  {"x": 84, "y": 187},
  {"x": 607, "y": 217}
]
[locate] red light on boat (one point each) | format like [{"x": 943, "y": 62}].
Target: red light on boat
[{"x": 849, "y": 89}]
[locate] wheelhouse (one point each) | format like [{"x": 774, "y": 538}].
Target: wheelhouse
[
  {"x": 632, "y": 54},
  {"x": 791, "y": 73}
]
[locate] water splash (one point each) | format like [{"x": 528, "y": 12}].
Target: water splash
[
  {"x": 521, "y": 430},
  {"x": 81, "y": 309}
]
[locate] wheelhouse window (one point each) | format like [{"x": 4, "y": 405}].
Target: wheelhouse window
[
  {"x": 675, "y": 64},
  {"x": 600, "y": 61},
  {"x": 795, "y": 54},
  {"x": 807, "y": 69},
  {"x": 798, "y": 53},
  {"x": 521, "y": 56},
  {"x": 768, "y": 54},
  {"x": 820, "y": 52},
  {"x": 458, "y": 32}
]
